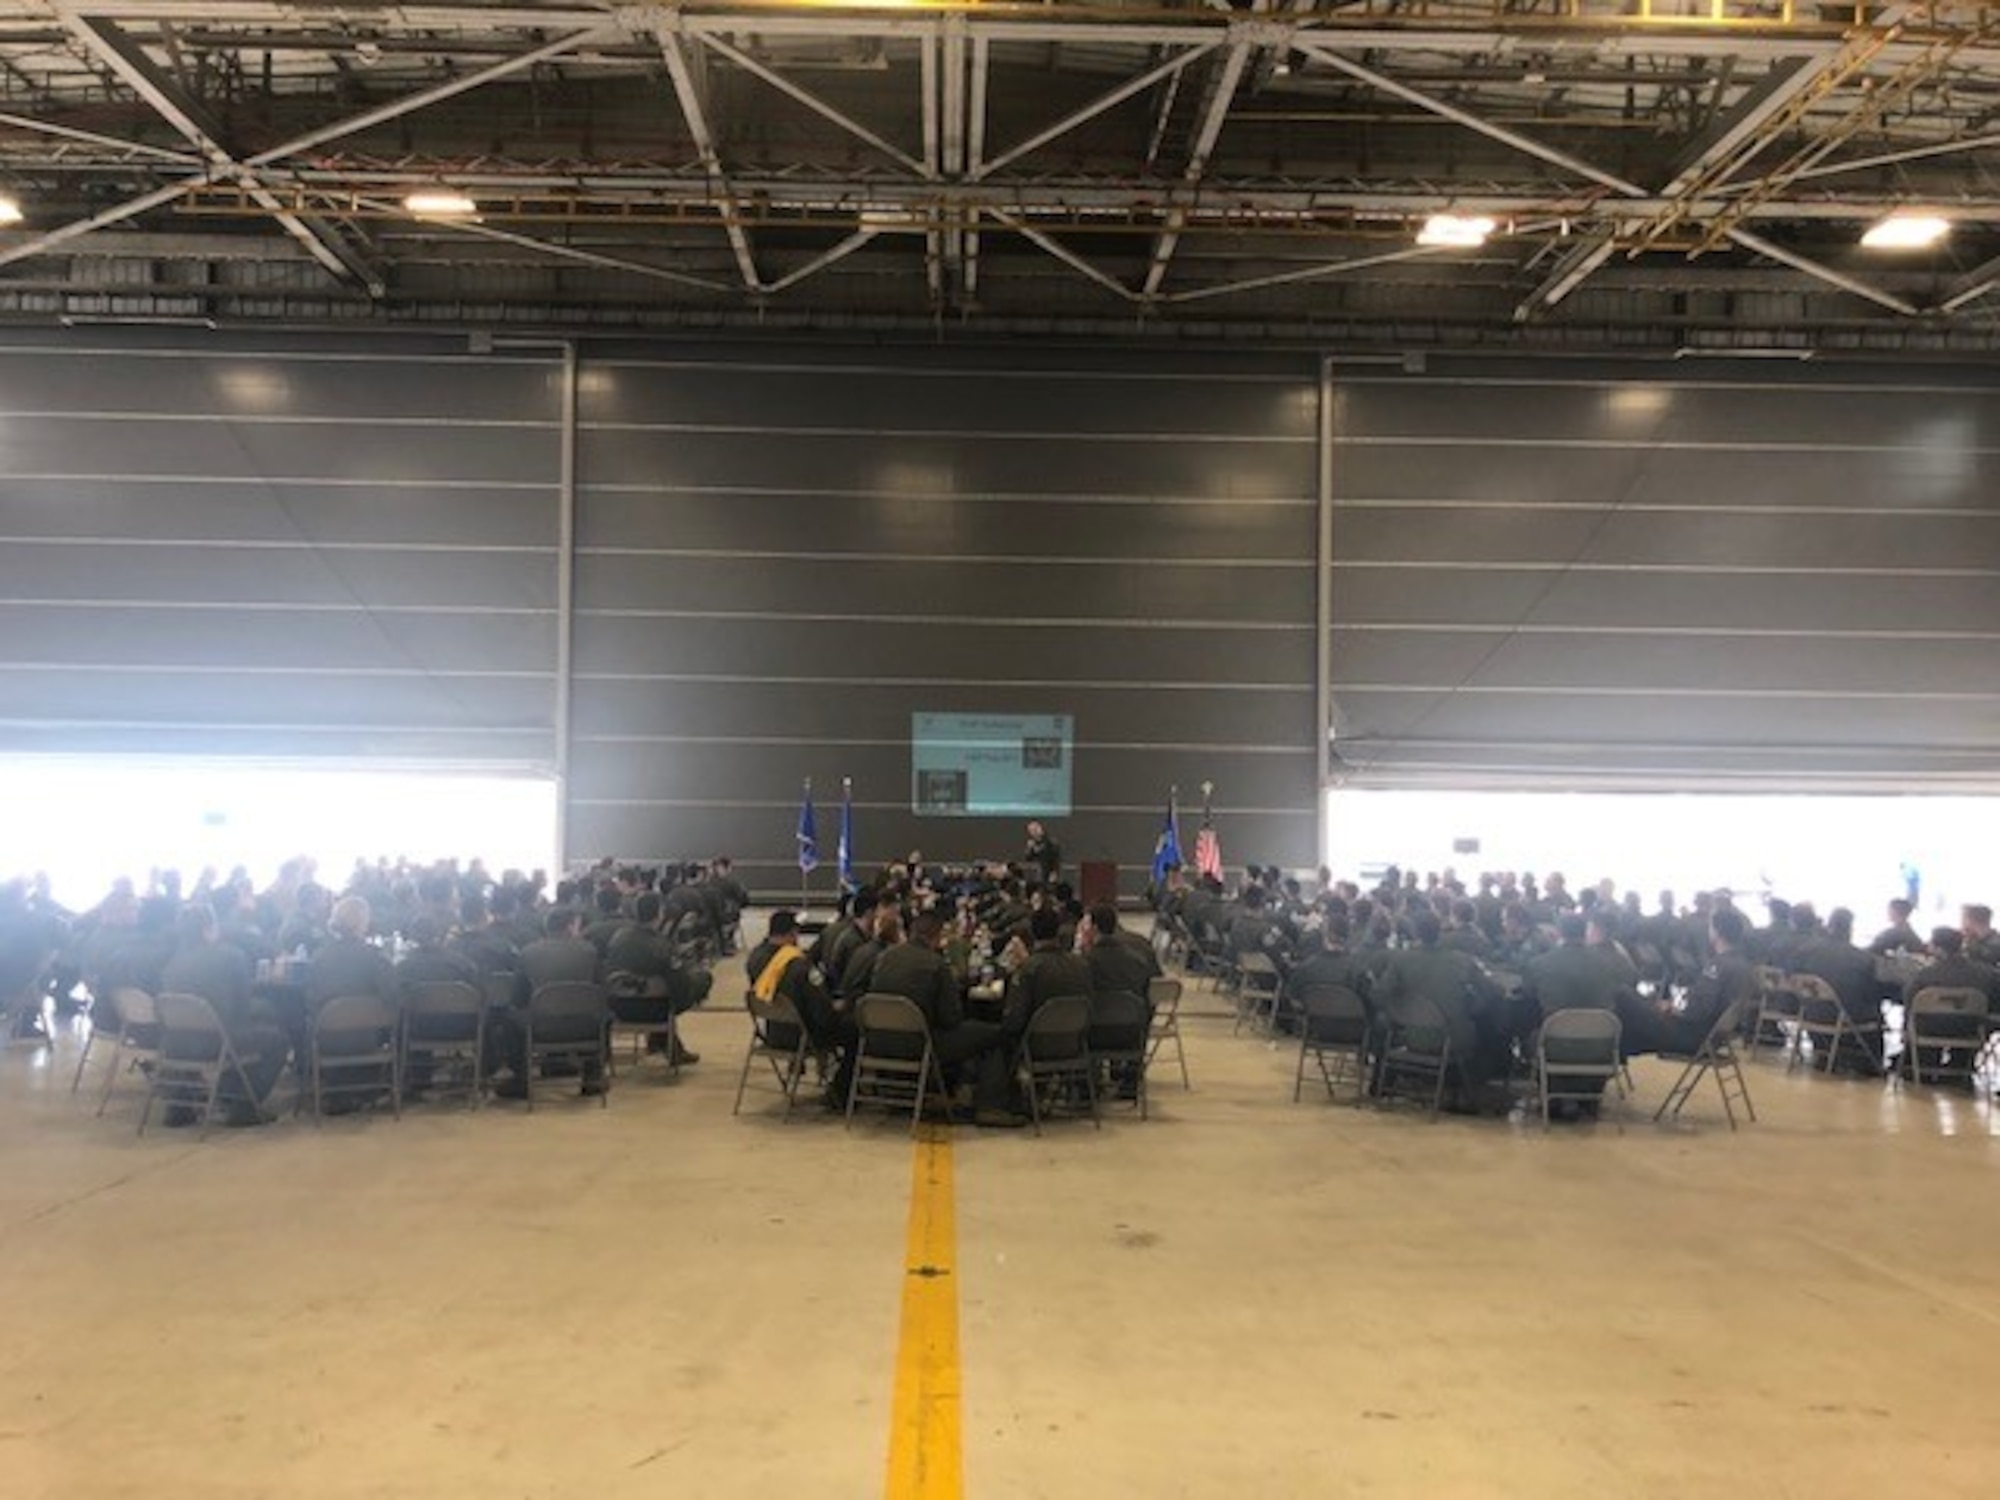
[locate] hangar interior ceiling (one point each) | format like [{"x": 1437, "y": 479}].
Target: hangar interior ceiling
[{"x": 1662, "y": 175}]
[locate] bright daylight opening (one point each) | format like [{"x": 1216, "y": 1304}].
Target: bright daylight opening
[
  {"x": 88, "y": 821},
  {"x": 1857, "y": 852}
]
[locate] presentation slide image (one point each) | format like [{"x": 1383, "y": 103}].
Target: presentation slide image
[
  {"x": 991, "y": 765},
  {"x": 941, "y": 791}
]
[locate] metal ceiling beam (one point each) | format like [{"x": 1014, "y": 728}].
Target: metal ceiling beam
[
  {"x": 820, "y": 262},
  {"x": 1467, "y": 31},
  {"x": 92, "y": 138},
  {"x": 1063, "y": 253},
  {"x": 1758, "y": 245},
  {"x": 1729, "y": 144},
  {"x": 1246, "y": 207},
  {"x": 1572, "y": 269},
  {"x": 1312, "y": 273},
  {"x": 1896, "y": 158},
  {"x": 951, "y": 105},
  {"x": 812, "y": 102},
  {"x": 424, "y": 98},
  {"x": 688, "y": 90},
  {"x": 1743, "y": 125},
  {"x": 1093, "y": 109},
  {"x": 1445, "y": 109},
  {"x": 1754, "y": 243},
  {"x": 927, "y": 85},
  {"x": 1972, "y": 286},
  {"x": 118, "y": 52},
  {"x": 472, "y": 228},
  {"x": 1868, "y": 110},
  {"x": 159, "y": 197},
  {"x": 975, "y": 147},
  {"x": 1221, "y": 97}
]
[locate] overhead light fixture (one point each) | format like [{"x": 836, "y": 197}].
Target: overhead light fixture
[
  {"x": 893, "y": 220},
  {"x": 440, "y": 203},
  {"x": 1455, "y": 229},
  {"x": 10, "y": 211},
  {"x": 1906, "y": 232}
]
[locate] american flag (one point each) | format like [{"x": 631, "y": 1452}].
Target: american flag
[{"x": 1207, "y": 847}]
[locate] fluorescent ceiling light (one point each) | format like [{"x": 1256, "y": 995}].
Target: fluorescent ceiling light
[
  {"x": 1454, "y": 229},
  {"x": 10, "y": 211},
  {"x": 1906, "y": 232},
  {"x": 440, "y": 203}
]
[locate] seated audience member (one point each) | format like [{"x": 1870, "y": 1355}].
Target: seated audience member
[
  {"x": 1832, "y": 956},
  {"x": 1119, "y": 959},
  {"x": 431, "y": 961},
  {"x": 1330, "y": 964},
  {"x": 348, "y": 964},
  {"x": 304, "y": 929},
  {"x": 1463, "y": 933},
  {"x": 1660, "y": 1026},
  {"x": 1468, "y": 999},
  {"x": 136, "y": 960},
  {"x": 780, "y": 967},
  {"x": 205, "y": 966},
  {"x": 858, "y": 973},
  {"x": 610, "y": 916},
  {"x": 28, "y": 947},
  {"x": 664, "y": 987},
  {"x": 482, "y": 938},
  {"x": 917, "y": 971},
  {"x": 837, "y": 940},
  {"x": 561, "y": 955},
  {"x": 1578, "y": 975},
  {"x": 1952, "y": 967},
  {"x": 727, "y": 900},
  {"x": 1899, "y": 936},
  {"x": 1520, "y": 938},
  {"x": 1982, "y": 943},
  {"x": 1252, "y": 930}
]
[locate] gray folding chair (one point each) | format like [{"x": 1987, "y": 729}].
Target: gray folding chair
[
  {"x": 444, "y": 1030},
  {"x": 1334, "y": 1033},
  {"x": 1716, "y": 1055},
  {"x": 1416, "y": 1056},
  {"x": 1164, "y": 993},
  {"x": 620, "y": 985},
  {"x": 777, "y": 1035},
  {"x": 1774, "y": 1021},
  {"x": 1120, "y": 1043},
  {"x": 895, "y": 1064},
  {"x": 1823, "y": 1021},
  {"x": 355, "y": 1053},
  {"x": 1257, "y": 995},
  {"x": 194, "y": 1060},
  {"x": 132, "y": 1020},
  {"x": 1577, "y": 1057},
  {"x": 568, "y": 1026},
  {"x": 1055, "y": 1057},
  {"x": 1948, "y": 1021}
]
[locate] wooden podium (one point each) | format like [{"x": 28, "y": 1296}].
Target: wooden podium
[{"x": 1097, "y": 882}]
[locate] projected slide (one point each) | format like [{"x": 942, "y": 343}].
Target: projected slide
[{"x": 990, "y": 765}]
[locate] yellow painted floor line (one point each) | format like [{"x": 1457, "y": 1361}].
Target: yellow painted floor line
[{"x": 925, "y": 1442}]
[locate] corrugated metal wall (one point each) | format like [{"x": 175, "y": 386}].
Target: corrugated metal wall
[
  {"x": 1571, "y": 574},
  {"x": 295, "y": 549},
  {"x": 1551, "y": 573},
  {"x": 782, "y": 556}
]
